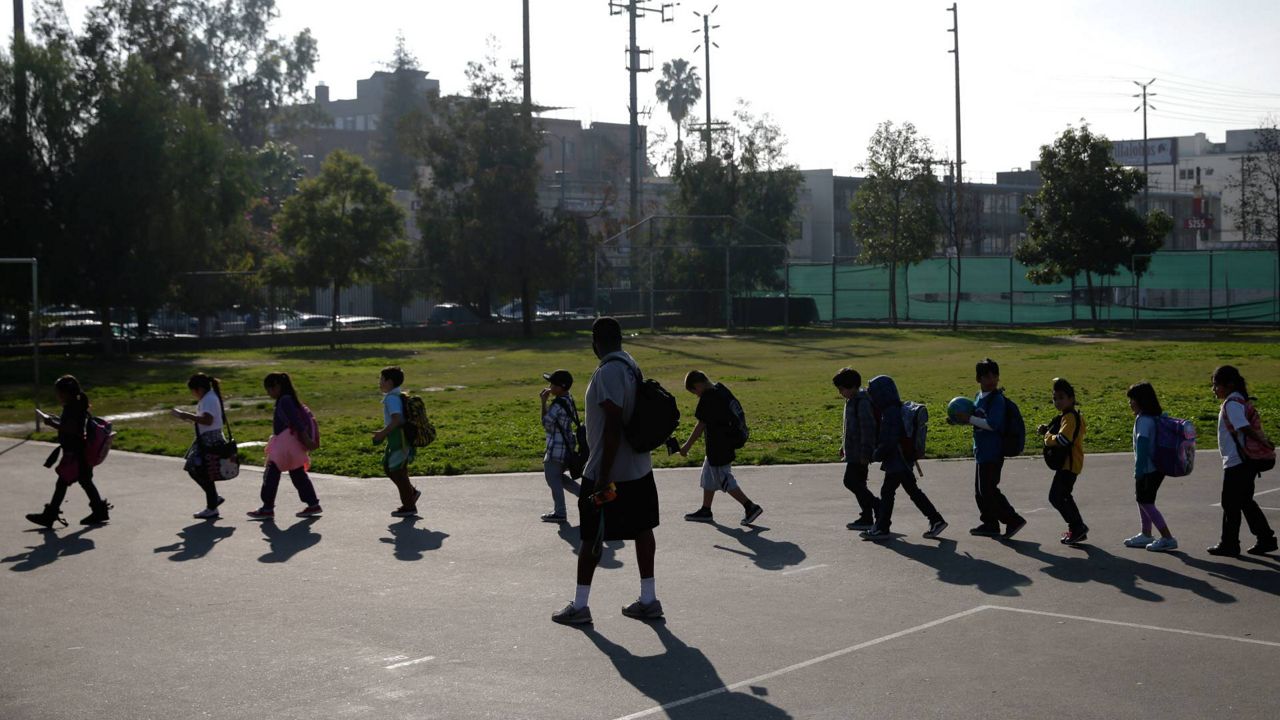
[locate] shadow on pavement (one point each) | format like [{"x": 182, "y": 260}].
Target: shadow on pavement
[
  {"x": 608, "y": 552},
  {"x": 681, "y": 672},
  {"x": 1265, "y": 577},
  {"x": 765, "y": 553},
  {"x": 53, "y": 547},
  {"x": 1100, "y": 566},
  {"x": 287, "y": 543},
  {"x": 962, "y": 569},
  {"x": 197, "y": 540},
  {"x": 411, "y": 541}
]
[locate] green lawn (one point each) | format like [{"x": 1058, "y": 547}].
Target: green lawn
[{"x": 483, "y": 395}]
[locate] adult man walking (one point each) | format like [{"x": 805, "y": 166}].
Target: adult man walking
[{"x": 632, "y": 512}]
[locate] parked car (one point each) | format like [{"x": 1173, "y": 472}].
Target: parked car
[{"x": 446, "y": 314}]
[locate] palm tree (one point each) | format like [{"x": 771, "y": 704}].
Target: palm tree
[{"x": 680, "y": 87}]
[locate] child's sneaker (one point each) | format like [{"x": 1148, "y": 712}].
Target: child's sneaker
[
  {"x": 571, "y": 615},
  {"x": 206, "y": 514},
  {"x": 876, "y": 535},
  {"x": 753, "y": 513},
  {"x": 641, "y": 611},
  {"x": 1012, "y": 528},
  {"x": 309, "y": 511},
  {"x": 261, "y": 514},
  {"x": 1071, "y": 537},
  {"x": 862, "y": 523},
  {"x": 403, "y": 511},
  {"x": 935, "y": 529},
  {"x": 552, "y": 517},
  {"x": 985, "y": 531},
  {"x": 1262, "y": 547},
  {"x": 702, "y": 515},
  {"x": 1140, "y": 540},
  {"x": 1163, "y": 544}
]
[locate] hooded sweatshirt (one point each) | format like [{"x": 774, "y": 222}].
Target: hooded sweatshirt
[{"x": 887, "y": 405}]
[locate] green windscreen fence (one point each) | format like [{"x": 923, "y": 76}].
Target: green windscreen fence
[{"x": 1227, "y": 286}]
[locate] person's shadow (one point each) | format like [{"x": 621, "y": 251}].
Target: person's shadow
[
  {"x": 197, "y": 540},
  {"x": 682, "y": 672},
  {"x": 962, "y": 569},
  {"x": 608, "y": 551},
  {"x": 411, "y": 541},
  {"x": 765, "y": 553},
  {"x": 1265, "y": 577},
  {"x": 54, "y": 546},
  {"x": 287, "y": 543},
  {"x": 1098, "y": 565}
]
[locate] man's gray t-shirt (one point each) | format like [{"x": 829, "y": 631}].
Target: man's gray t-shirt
[{"x": 614, "y": 382}]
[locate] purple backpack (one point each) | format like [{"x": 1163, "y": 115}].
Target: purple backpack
[{"x": 1174, "y": 453}]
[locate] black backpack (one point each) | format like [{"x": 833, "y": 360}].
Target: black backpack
[
  {"x": 740, "y": 431},
  {"x": 576, "y": 449},
  {"x": 1057, "y": 456},
  {"x": 656, "y": 415},
  {"x": 1014, "y": 439}
]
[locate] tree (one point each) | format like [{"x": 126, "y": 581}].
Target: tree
[
  {"x": 1081, "y": 218},
  {"x": 342, "y": 227},
  {"x": 483, "y": 236},
  {"x": 895, "y": 211},
  {"x": 391, "y": 152},
  {"x": 680, "y": 87},
  {"x": 1258, "y": 212}
]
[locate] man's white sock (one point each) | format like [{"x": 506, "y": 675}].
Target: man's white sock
[
  {"x": 646, "y": 591},
  {"x": 580, "y": 597}
]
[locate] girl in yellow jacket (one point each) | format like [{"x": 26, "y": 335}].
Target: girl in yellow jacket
[{"x": 1064, "y": 453}]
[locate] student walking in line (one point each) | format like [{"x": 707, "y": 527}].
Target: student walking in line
[
  {"x": 559, "y": 416},
  {"x": 724, "y": 430},
  {"x": 988, "y": 421},
  {"x": 1146, "y": 408},
  {"x": 1064, "y": 452},
  {"x": 209, "y": 417},
  {"x": 627, "y": 506},
  {"x": 1239, "y": 428},
  {"x": 857, "y": 445},
  {"x": 887, "y": 407},
  {"x": 74, "y": 467},
  {"x": 293, "y": 435},
  {"x": 398, "y": 452}
]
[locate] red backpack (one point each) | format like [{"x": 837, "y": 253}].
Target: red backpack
[
  {"x": 97, "y": 440},
  {"x": 1258, "y": 450}
]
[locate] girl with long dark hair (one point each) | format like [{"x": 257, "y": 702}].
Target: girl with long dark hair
[
  {"x": 74, "y": 468},
  {"x": 209, "y": 418},
  {"x": 292, "y": 436},
  {"x": 1146, "y": 409}
]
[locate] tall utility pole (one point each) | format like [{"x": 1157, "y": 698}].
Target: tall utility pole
[
  {"x": 19, "y": 71},
  {"x": 959, "y": 166},
  {"x": 528, "y": 80},
  {"x": 634, "y": 10},
  {"x": 1146, "y": 188},
  {"x": 707, "y": 27}
]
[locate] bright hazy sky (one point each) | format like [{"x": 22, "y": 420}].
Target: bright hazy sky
[{"x": 829, "y": 71}]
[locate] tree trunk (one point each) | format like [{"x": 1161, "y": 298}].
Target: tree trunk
[
  {"x": 906, "y": 288},
  {"x": 144, "y": 322},
  {"x": 893, "y": 294},
  {"x": 1093, "y": 304},
  {"x": 108, "y": 346},
  {"x": 333, "y": 318},
  {"x": 955, "y": 317},
  {"x": 679, "y": 150},
  {"x": 527, "y": 307}
]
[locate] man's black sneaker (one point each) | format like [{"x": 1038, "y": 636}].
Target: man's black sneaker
[
  {"x": 1012, "y": 528},
  {"x": 985, "y": 531},
  {"x": 752, "y": 514},
  {"x": 1221, "y": 550},
  {"x": 876, "y": 535},
  {"x": 862, "y": 523},
  {"x": 702, "y": 515},
  {"x": 1262, "y": 547}
]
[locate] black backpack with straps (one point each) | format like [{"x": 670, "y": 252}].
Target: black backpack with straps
[
  {"x": 1059, "y": 456},
  {"x": 655, "y": 416}
]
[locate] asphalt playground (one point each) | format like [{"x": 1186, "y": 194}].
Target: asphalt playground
[{"x": 360, "y": 615}]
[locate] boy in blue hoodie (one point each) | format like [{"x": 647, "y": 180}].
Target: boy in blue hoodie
[
  {"x": 886, "y": 405},
  {"x": 858, "y": 443},
  {"x": 988, "y": 421}
]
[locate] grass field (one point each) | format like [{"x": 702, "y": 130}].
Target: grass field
[{"x": 483, "y": 395}]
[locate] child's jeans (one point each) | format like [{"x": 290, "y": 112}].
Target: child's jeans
[{"x": 554, "y": 472}]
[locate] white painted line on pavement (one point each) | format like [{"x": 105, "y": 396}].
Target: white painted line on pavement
[
  {"x": 1139, "y": 626},
  {"x": 926, "y": 626},
  {"x": 800, "y": 570},
  {"x": 410, "y": 662},
  {"x": 1028, "y": 512},
  {"x": 1261, "y": 492},
  {"x": 801, "y": 665}
]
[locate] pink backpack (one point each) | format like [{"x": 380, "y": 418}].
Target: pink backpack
[
  {"x": 1259, "y": 450},
  {"x": 97, "y": 441}
]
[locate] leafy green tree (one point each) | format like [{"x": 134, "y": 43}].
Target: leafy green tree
[
  {"x": 483, "y": 236},
  {"x": 342, "y": 227},
  {"x": 895, "y": 211},
  {"x": 679, "y": 87},
  {"x": 1081, "y": 220},
  {"x": 392, "y": 154}
]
